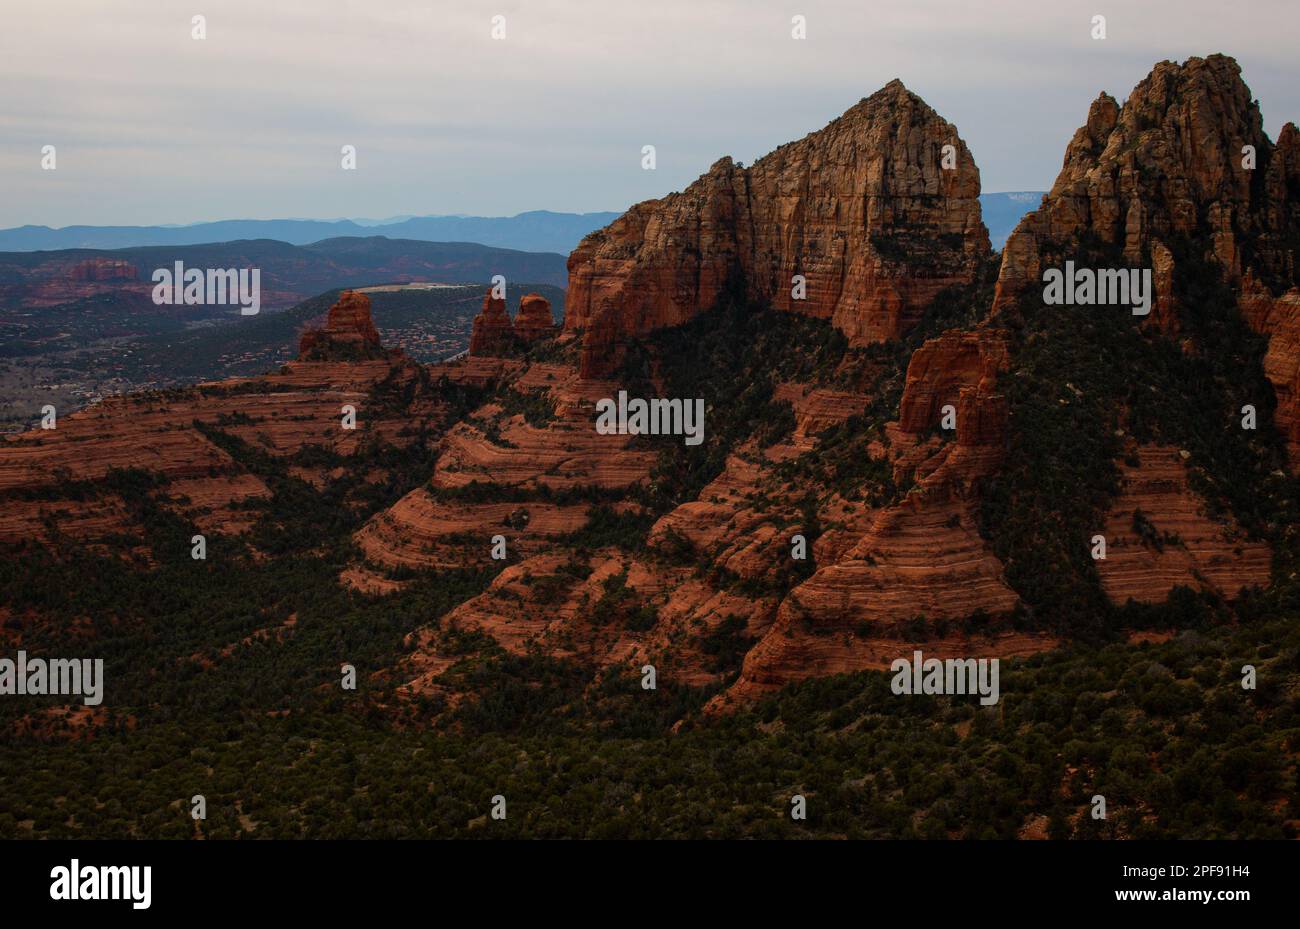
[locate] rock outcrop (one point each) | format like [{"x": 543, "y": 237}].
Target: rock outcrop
[
  {"x": 899, "y": 552},
  {"x": 1172, "y": 166},
  {"x": 1184, "y": 166},
  {"x": 98, "y": 270},
  {"x": 495, "y": 335},
  {"x": 919, "y": 567},
  {"x": 419, "y": 531},
  {"x": 171, "y": 437},
  {"x": 534, "y": 321},
  {"x": 1157, "y": 536},
  {"x": 492, "y": 333},
  {"x": 1279, "y": 319},
  {"x": 958, "y": 369},
  {"x": 864, "y": 210},
  {"x": 686, "y": 612},
  {"x": 349, "y": 333}
]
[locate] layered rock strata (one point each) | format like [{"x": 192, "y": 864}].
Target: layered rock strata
[{"x": 876, "y": 213}]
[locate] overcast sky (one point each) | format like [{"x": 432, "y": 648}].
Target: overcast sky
[{"x": 152, "y": 126}]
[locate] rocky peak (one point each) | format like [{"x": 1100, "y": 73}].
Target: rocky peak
[
  {"x": 1168, "y": 173},
  {"x": 534, "y": 321},
  {"x": 862, "y": 209},
  {"x": 492, "y": 333},
  {"x": 1166, "y": 168},
  {"x": 495, "y": 335},
  {"x": 349, "y": 333}
]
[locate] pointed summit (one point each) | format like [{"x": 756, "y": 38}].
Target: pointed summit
[
  {"x": 1180, "y": 161},
  {"x": 1183, "y": 169},
  {"x": 862, "y": 222},
  {"x": 492, "y": 332}
]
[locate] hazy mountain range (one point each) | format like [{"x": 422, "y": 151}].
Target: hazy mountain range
[
  {"x": 538, "y": 231},
  {"x": 535, "y": 231}
]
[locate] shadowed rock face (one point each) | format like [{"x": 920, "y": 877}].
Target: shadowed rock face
[
  {"x": 862, "y": 209},
  {"x": 961, "y": 369},
  {"x": 1169, "y": 168},
  {"x": 1152, "y": 178},
  {"x": 1210, "y": 553},
  {"x": 1279, "y": 319},
  {"x": 495, "y": 335},
  {"x": 492, "y": 333},
  {"x": 349, "y": 333},
  {"x": 1165, "y": 167}
]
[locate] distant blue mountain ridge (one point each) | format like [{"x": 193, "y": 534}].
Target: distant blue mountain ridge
[{"x": 536, "y": 231}]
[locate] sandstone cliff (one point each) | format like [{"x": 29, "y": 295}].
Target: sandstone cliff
[
  {"x": 1279, "y": 319},
  {"x": 915, "y": 570},
  {"x": 1158, "y": 536},
  {"x": 1169, "y": 166},
  {"x": 900, "y": 553},
  {"x": 349, "y": 333},
  {"x": 168, "y": 436},
  {"x": 534, "y": 320},
  {"x": 494, "y": 334},
  {"x": 863, "y": 209},
  {"x": 1183, "y": 166},
  {"x": 958, "y": 369}
]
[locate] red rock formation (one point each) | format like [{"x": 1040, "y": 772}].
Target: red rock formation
[
  {"x": 63, "y": 278},
  {"x": 862, "y": 209},
  {"x": 725, "y": 525},
  {"x": 349, "y": 333},
  {"x": 279, "y": 414},
  {"x": 1181, "y": 545},
  {"x": 99, "y": 270},
  {"x": 864, "y": 212},
  {"x": 922, "y": 558},
  {"x": 1164, "y": 167},
  {"x": 534, "y": 321},
  {"x": 565, "y": 453},
  {"x": 419, "y": 531},
  {"x": 817, "y": 409},
  {"x": 603, "y": 344},
  {"x": 880, "y": 570},
  {"x": 1276, "y": 253},
  {"x": 492, "y": 333},
  {"x": 961, "y": 369},
  {"x": 564, "y": 625},
  {"x": 1279, "y": 318}
]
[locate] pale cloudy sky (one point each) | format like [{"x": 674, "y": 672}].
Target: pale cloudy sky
[{"x": 153, "y": 127}]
